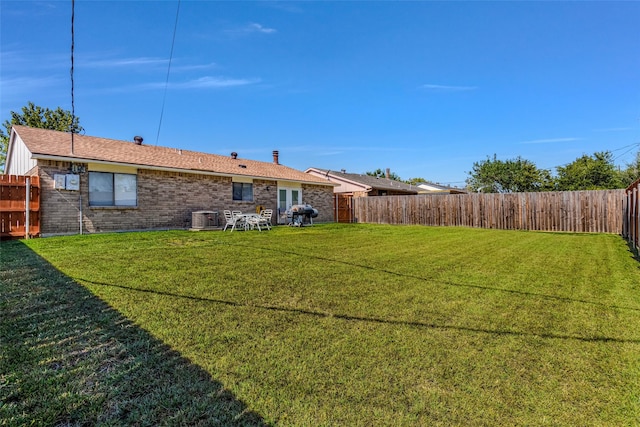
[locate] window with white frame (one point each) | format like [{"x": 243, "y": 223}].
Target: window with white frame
[
  {"x": 243, "y": 191},
  {"x": 112, "y": 189}
]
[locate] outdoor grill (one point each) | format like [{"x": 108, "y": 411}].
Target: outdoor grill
[{"x": 298, "y": 215}]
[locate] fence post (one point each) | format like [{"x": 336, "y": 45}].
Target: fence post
[{"x": 27, "y": 207}]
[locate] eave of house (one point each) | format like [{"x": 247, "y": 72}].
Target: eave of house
[
  {"x": 165, "y": 169},
  {"x": 59, "y": 146}
]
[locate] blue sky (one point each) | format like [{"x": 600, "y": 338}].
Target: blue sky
[{"x": 423, "y": 88}]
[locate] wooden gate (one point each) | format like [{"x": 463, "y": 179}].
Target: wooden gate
[
  {"x": 19, "y": 206},
  {"x": 343, "y": 208}
]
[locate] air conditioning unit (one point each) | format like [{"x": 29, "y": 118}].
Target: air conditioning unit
[{"x": 201, "y": 220}]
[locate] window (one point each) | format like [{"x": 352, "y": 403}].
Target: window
[
  {"x": 112, "y": 189},
  {"x": 243, "y": 191}
]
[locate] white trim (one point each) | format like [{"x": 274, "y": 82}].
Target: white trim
[
  {"x": 289, "y": 185},
  {"x": 242, "y": 179},
  {"x": 98, "y": 167}
]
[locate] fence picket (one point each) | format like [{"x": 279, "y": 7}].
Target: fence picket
[{"x": 573, "y": 211}]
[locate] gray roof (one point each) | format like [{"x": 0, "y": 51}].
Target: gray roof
[{"x": 372, "y": 181}]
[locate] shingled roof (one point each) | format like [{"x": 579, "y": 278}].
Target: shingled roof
[
  {"x": 369, "y": 181},
  {"x": 55, "y": 145}
]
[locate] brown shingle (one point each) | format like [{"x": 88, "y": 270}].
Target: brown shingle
[{"x": 49, "y": 143}]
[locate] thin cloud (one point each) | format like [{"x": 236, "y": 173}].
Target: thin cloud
[
  {"x": 252, "y": 28},
  {"x": 124, "y": 62},
  {"x": 28, "y": 60},
  {"x": 46, "y": 90},
  {"x": 257, "y": 28},
  {"x": 329, "y": 153},
  {"x": 13, "y": 86},
  {"x": 145, "y": 62},
  {"x": 207, "y": 82},
  {"x": 447, "y": 88},
  {"x": 194, "y": 67},
  {"x": 550, "y": 140}
]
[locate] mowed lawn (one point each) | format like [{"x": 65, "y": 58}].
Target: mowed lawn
[{"x": 335, "y": 324}]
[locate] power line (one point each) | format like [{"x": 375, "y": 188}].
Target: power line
[
  {"x": 166, "y": 84},
  {"x": 73, "y": 106},
  {"x": 626, "y": 146},
  {"x": 628, "y": 151}
]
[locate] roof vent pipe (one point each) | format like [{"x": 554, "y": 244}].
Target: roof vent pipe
[
  {"x": 234, "y": 155},
  {"x": 138, "y": 140},
  {"x": 276, "y": 157}
]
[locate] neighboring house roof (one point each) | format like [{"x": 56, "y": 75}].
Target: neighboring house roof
[
  {"x": 431, "y": 187},
  {"x": 366, "y": 182},
  {"x": 54, "y": 145}
]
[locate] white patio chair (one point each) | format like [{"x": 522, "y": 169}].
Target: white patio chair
[
  {"x": 265, "y": 218},
  {"x": 230, "y": 220}
]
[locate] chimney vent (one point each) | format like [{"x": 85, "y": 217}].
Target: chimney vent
[
  {"x": 276, "y": 157},
  {"x": 234, "y": 155},
  {"x": 138, "y": 140},
  {"x": 387, "y": 173}
]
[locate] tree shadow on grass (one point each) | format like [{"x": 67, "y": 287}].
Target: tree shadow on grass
[
  {"x": 438, "y": 280},
  {"x": 370, "y": 319},
  {"x": 67, "y": 358}
]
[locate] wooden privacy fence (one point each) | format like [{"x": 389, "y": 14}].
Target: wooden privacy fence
[
  {"x": 19, "y": 206},
  {"x": 631, "y": 228},
  {"x": 574, "y": 211}
]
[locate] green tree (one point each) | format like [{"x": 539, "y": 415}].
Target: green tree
[
  {"x": 596, "y": 172},
  {"x": 379, "y": 173},
  {"x": 414, "y": 181},
  {"x": 37, "y": 117},
  {"x": 632, "y": 171},
  {"x": 509, "y": 176}
]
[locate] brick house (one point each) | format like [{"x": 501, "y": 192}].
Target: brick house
[{"x": 91, "y": 184}]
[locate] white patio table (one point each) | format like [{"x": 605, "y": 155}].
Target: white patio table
[{"x": 247, "y": 221}]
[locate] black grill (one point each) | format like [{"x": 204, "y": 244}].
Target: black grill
[{"x": 299, "y": 215}]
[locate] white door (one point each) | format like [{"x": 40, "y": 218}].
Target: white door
[{"x": 288, "y": 197}]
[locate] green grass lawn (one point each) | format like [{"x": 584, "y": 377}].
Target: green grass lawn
[{"x": 355, "y": 325}]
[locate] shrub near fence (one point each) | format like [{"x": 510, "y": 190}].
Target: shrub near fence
[{"x": 574, "y": 211}]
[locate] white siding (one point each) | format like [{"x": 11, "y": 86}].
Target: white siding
[
  {"x": 19, "y": 160},
  {"x": 429, "y": 187}
]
